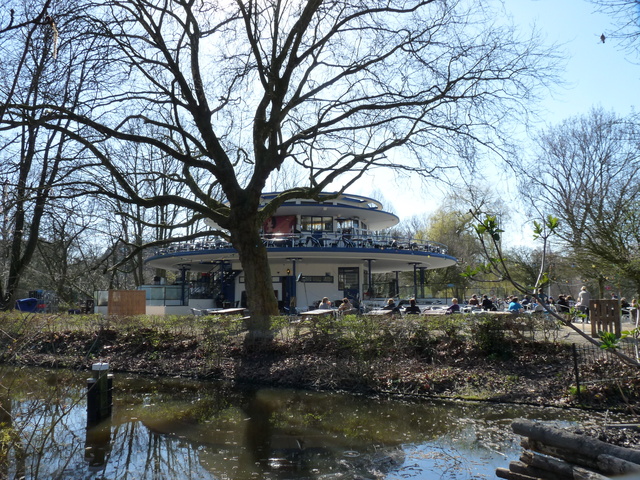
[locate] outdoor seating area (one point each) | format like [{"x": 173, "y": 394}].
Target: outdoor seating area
[{"x": 364, "y": 240}]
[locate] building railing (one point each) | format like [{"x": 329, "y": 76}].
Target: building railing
[{"x": 361, "y": 240}]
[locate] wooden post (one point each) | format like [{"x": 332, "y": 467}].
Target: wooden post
[{"x": 99, "y": 394}]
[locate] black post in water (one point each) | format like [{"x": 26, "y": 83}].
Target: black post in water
[
  {"x": 97, "y": 445},
  {"x": 99, "y": 394}
]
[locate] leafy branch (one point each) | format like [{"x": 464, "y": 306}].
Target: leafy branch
[{"x": 489, "y": 235}]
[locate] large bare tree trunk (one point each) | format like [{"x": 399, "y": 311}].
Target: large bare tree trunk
[{"x": 261, "y": 300}]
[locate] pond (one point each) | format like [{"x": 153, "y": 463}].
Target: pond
[{"x": 166, "y": 428}]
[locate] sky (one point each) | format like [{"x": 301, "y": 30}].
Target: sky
[{"x": 596, "y": 74}]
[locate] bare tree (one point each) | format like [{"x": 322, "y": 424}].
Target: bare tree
[
  {"x": 238, "y": 90},
  {"x": 585, "y": 174},
  {"x": 37, "y": 162},
  {"x": 626, "y": 16}
]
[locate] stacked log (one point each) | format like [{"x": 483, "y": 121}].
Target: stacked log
[{"x": 554, "y": 454}]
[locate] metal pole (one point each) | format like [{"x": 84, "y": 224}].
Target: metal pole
[
  {"x": 397, "y": 272},
  {"x": 415, "y": 278},
  {"x": 576, "y": 369},
  {"x": 183, "y": 277},
  {"x": 294, "y": 289},
  {"x": 369, "y": 277}
]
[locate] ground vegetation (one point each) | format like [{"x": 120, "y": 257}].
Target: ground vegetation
[{"x": 520, "y": 360}]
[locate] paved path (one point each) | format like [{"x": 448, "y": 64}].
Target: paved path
[{"x": 570, "y": 336}]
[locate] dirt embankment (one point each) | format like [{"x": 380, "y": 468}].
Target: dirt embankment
[{"x": 527, "y": 372}]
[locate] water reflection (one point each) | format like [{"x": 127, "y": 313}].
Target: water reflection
[{"x": 174, "y": 428}]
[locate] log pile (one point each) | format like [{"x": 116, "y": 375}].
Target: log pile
[{"x": 551, "y": 453}]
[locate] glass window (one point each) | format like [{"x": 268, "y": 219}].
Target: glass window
[
  {"x": 348, "y": 278},
  {"x": 316, "y": 224}
]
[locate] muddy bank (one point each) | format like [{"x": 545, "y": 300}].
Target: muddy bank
[{"x": 519, "y": 371}]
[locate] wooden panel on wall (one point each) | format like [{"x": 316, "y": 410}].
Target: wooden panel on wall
[{"x": 127, "y": 302}]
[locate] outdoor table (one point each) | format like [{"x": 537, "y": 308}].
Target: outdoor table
[
  {"x": 433, "y": 313},
  {"x": 318, "y": 312},
  {"x": 225, "y": 311},
  {"x": 312, "y": 317}
]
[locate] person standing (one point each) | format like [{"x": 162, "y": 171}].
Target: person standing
[
  {"x": 542, "y": 298},
  {"x": 583, "y": 302}
]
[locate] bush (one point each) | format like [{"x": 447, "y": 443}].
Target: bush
[{"x": 488, "y": 333}]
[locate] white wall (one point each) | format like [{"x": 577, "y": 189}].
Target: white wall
[{"x": 307, "y": 292}]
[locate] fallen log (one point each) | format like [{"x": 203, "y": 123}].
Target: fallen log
[
  {"x": 524, "y": 469},
  {"x": 579, "y": 444},
  {"x": 509, "y": 475},
  {"x": 616, "y": 466},
  {"x": 584, "y": 474},
  {"x": 559, "y": 468},
  {"x": 560, "y": 453}
]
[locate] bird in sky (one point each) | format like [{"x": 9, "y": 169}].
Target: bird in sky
[{"x": 603, "y": 38}]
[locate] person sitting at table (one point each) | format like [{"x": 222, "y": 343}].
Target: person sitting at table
[
  {"x": 515, "y": 306},
  {"x": 325, "y": 304},
  {"x": 412, "y": 309},
  {"x": 345, "y": 306},
  {"x": 562, "y": 305},
  {"x": 454, "y": 307},
  {"x": 535, "y": 306},
  {"x": 474, "y": 302},
  {"x": 391, "y": 305},
  {"x": 487, "y": 304}
]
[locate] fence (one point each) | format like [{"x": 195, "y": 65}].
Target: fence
[{"x": 592, "y": 364}]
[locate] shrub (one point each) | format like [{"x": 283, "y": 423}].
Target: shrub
[{"x": 488, "y": 333}]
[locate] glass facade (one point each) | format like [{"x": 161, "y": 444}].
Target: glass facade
[{"x": 316, "y": 224}]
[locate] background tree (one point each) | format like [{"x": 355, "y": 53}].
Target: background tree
[
  {"x": 585, "y": 174},
  {"x": 238, "y": 90},
  {"x": 626, "y": 15},
  {"x": 35, "y": 161}
]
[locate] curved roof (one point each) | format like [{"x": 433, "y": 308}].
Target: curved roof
[
  {"x": 345, "y": 206},
  {"x": 365, "y": 209}
]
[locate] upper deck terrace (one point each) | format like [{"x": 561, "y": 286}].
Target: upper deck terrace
[{"x": 388, "y": 252}]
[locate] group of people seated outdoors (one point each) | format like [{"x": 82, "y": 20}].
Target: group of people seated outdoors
[
  {"x": 345, "y": 305},
  {"x": 411, "y": 309},
  {"x": 530, "y": 303}
]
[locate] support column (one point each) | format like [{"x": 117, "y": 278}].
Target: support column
[{"x": 415, "y": 279}]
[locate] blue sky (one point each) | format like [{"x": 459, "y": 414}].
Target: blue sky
[{"x": 596, "y": 74}]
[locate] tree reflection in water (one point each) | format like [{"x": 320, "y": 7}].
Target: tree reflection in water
[{"x": 173, "y": 428}]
